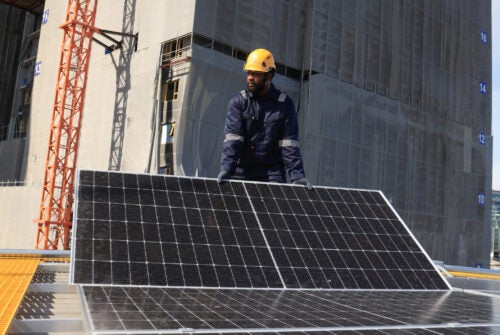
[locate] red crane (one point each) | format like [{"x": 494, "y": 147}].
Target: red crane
[{"x": 54, "y": 219}]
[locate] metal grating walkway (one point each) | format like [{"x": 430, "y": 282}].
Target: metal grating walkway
[{"x": 16, "y": 272}]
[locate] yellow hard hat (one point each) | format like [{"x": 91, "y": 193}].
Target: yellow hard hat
[{"x": 260, "y": 60}]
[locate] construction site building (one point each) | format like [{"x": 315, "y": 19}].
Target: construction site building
[{"x": 391, "y": 94}]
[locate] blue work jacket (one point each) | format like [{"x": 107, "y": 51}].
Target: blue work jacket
[{"x": 261, "y": 138}]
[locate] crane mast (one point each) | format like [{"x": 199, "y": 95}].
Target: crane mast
[{"x": 54, "y": 220}]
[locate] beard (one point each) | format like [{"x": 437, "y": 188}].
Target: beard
[{"x": 256, "y": 88}]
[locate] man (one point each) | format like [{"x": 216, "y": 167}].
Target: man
[{"x": 261, "y": 133}]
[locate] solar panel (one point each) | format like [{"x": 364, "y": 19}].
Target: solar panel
[
  {"x": 168, "y": 231},
  {"x": 190, "y": 232},
  {"x": 285, "y": 311},
  {"x": 338, "y": 238}
]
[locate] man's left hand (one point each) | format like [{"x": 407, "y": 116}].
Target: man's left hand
[{"x": 303, "y": 181}]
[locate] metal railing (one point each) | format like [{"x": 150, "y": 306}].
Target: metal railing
[
  {"x": 9, "y": 183},
  {"x": 43, "y": 253}
]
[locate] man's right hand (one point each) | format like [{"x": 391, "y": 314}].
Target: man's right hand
[{"x": 223, "y": 175}]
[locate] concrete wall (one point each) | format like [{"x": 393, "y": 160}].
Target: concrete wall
[{"x": 18, "y": 208}]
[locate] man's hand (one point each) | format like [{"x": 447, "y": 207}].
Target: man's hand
[
  {"x": 223, "y": 174},
  {"x": 303, "y": 181}
]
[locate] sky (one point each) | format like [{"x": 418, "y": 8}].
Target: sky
[{"x": 495, "y": 92}]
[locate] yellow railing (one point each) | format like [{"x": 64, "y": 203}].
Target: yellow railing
[{"x": 465, "y": 274}]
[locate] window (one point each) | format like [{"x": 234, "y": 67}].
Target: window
[
  {"x": 27, "y": 97},
  {"x": 21, "y": 124},
  {"x": 167, "y": 133},
  {"x": 175, "y": 48},
  {"x": 170, "y": 90},
  {"x": 240, "y": 54},
  {"x": 166, "y": 164},
  {"x": 169, "y": 50}
]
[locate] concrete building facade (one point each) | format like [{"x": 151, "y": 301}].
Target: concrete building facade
[{"x": 391, "y": 95}]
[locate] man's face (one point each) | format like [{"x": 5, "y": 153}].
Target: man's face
[{"x": 256, "y": 82}]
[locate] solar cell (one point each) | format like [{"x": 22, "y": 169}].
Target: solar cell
[{"x": 136, "y": 229}]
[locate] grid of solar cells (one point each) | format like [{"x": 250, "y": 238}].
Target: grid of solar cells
[
  {"x": 339, "y": 239},
  {"x": 176, "y": 231},
  {"x": 137, "y": 309},
  {"x": 161, "y": 230}
]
